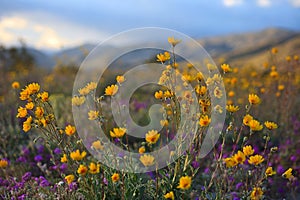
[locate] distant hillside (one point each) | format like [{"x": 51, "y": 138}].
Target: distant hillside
[
  {"x": 236, "y": 49},
  {"x": 253, "y": 47},
  {"x": 41, "y": 59},
  {"x": 73, "y": 55}
]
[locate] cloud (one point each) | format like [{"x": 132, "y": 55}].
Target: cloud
[
  {"x": 295, "y": 3},
  {"x": 13, "y": 22},
  {"x": 45, "y": 32},
  {"x": 264, "y": 3},
  {"x": 48, "y": 37},
  {"x": 6, "y": 36},
  {"x": 230, "y": 3}
]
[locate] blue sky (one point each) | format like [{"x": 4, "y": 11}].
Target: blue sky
[{"x": 57, "y": 24}]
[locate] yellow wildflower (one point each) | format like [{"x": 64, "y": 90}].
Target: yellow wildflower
[
  {"x": 218, "y": 109},
  {"x": 169, "y": 195},
  {"x": 22, "y": 112},
  {"x": 231, "y": 93},
  {"x": 168, "y": 94},
  {"x": 147, "y": 160},
  {"x": 255, "y": 160},
  {"x": 239, "y": 157},
  {"x": 94, "y": 168},
  {"x": 70, "y": 130},
  {"x": 256, "y": 193},
  {"x": 15, "y": 85},
  {"x": 27, "y": 124},
  {"x": 164, "y": 122},
  {"x": 77, "y": 101},
  {"x": 232, "y": 108},
  {"x": 152, "y": 136},
  {"x": 64, "y": 158},
  {"x": 204, "y": 102},
  {"x": 280, "y": 87},
  {"x": 230, "y": 162},
  {"x": 296, "y": 57},
  {"x": 288, "y": 58},
  {"x": 167, "y": 55},
  {"x": 274, "y": 50},
  {"x": 233, "y": 81},
  {"x": 111, "y": 90},
  {"x": 115, "y": 177},
  {"x": 142, "y": 150},
  {"x": 201, "y": 89},
  {"x": 93, "y": 114},
  {"x": 253, "y": 99},
  {"x": 211, "y": 67},
  {"x": 44, "y": 96},
  {"x": 97, "y": 145},
  {"x": 120, "y": 79},
  {"x": 29, "y": 105},
  {"x": 248, "y": 150},
  {"x": 24, "y": 94},
  {"x": 161, "y": 57},
  {"x": 33, "y": 88},
  {"x": 84, "y": 91},
  {"x": 247, "y": 118},
  {"x": 91, "y": 86},
  {"x": 82, "y": 170},
  {"x": 218, "y": 93},
  {"x": 199, "y": 76},
  {"x": 226, "y": 68},
  {"x": 185, "y": 183},
  {"x": 118, "y": 132},
  {"x": 270, "y": 171},
  {"x": 76, "y": 155},
  {"x": 254, "y": 125},
  {"x": 39, "y": 112},
  {"x": 204, "y": 121},
  {"x": 159, "y": 94},
  {"x": 271, "y": 125},
  {"x": 42, "y": 122},
  {"x": 274, "y": 74},
  {"x": 3, "y": 163},
  {"x": 173, "y": 41},
  {"x": 288, "y": 173},
  {"x": 70, "y": 178}
]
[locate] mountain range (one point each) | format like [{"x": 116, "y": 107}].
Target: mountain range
[{"x": 235, "y": 49}]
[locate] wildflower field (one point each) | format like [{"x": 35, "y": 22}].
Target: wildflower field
[{"x": 42, "y": 155}]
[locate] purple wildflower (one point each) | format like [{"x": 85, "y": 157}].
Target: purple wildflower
[
  {"x": 57, "y": 151},
  {"x": 41, "y": 149},
  {"x": 22, "y": 159},
  {"x": 38, "y": 158},
  {"x": 22, "y": 197},
  {"x": 239, "y": 185},
  {"x": 25, "y": 151},
  {"x": 293, "y": 158},
  {"x": 195, "y": 164},
  {"x": 63, "y": 167},
  {"x": 280, "y": 169},
  {"x": 26, "y": 177},
  {"x": 43, "y": 182},
  {"x": 105, "y": 181}
]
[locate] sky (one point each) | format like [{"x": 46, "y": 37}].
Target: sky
[{"x": 58, "y": 24}]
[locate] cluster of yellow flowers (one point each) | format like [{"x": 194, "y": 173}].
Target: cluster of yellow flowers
[
  {"x": 240, "y": 157},
  {"x": 34, "y": 100},
  {"x": 93, "y": 168}
]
